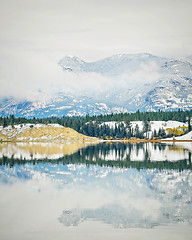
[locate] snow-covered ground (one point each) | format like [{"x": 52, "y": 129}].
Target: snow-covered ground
[
  {"x": 155, "y": 125},
  {"x": 14, "y": 131},
  {"x": 185, "y": 137},
  {"x": 19, "y": 128},
  {"x": 166, "y": 124},
  {"x": 40, "y": 132},
  {"x": 11, "y": 132}
]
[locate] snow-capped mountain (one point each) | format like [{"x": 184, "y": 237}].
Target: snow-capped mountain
[
  {"x": 143, "y": 81},
  {"x": 124, "y": 82},
  {"x": 58, "y": 105},
  {"x": 111, "y": 66}
]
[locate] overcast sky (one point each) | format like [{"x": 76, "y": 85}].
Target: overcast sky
[{"x": 36, "y": 34}]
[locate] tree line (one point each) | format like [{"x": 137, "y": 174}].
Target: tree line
[{"x": 95, "y": 125}]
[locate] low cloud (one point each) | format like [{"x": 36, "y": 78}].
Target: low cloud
[{"x": 33, "y": 76}]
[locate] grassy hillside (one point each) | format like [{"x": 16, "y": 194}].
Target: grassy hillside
[{"x": 41, "y": 132}]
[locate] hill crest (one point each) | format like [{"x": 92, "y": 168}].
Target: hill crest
[{"x": 41, "y": 133}]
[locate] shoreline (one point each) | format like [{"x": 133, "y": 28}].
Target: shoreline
[
  {"x": 96, "y": 141},
  {"x": 146, "y": 140}
]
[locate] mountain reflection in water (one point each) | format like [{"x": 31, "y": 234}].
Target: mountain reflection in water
[{"x": 47, "y": 188}]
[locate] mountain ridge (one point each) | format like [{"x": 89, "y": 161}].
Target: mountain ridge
[{"x": 120, "y": 83}]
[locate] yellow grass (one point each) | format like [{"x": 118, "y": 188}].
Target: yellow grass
[
  {"x": 176, "y": 131},
  {"x": 45, "y": 133}
]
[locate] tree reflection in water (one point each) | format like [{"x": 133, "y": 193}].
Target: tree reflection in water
[{"x": 139, "y": 155}]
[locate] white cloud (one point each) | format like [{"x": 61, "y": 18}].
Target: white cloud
[
  {"x": 32, "y": 76},
  {"x": 36, "y": 34}
]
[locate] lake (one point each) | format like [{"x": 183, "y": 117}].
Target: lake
[{"x": 102, "y": 191}]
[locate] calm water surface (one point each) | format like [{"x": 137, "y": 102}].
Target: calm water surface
[{"x": 105, "y": 191}]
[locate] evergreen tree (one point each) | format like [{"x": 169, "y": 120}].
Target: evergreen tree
[
  {"x": 155, "y": 133},
  {"x": 128, "y": 128},
  {"x": 146, "y": 127},
  {"x": 137, "y": 132},
  {"x": 189, "y": 124},
  {"x": 5, "y": 124}
]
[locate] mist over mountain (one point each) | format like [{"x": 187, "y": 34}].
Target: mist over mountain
[{"x": 124, "y": 82}]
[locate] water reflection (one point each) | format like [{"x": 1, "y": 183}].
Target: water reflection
[
  {"x": 43, "y": 197},
  {"x": 129, "y": 217},
  {"x": 139, "y": 155},
  {"x": 36, "y": 150},
  {"x": 123, "y": 198}
]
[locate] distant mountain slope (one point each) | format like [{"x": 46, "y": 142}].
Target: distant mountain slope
[
  {"x": 127, "y": 82},
  {"x": 57, "y": 106},
  {"x": 113, "y": 66},
  {"x": 150, "y": 82}
]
